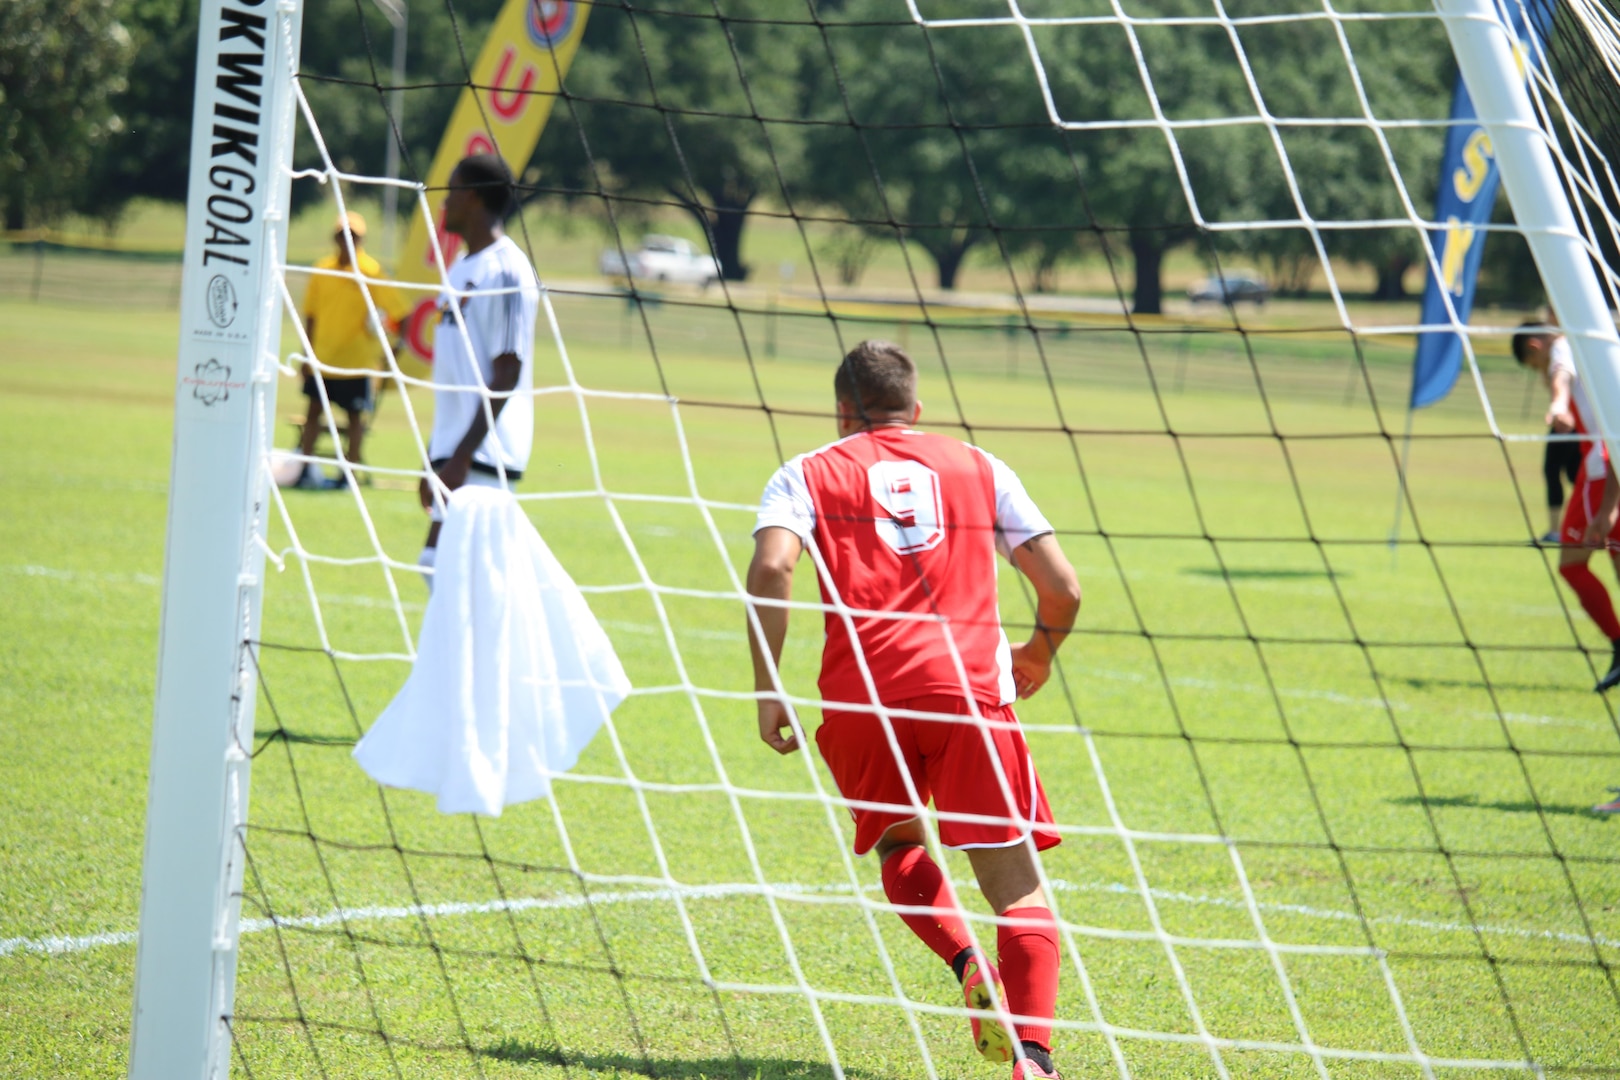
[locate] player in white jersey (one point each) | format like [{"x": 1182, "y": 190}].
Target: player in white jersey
[
  {"x": 483, "y": 351},
  {"x": 1589, "y": 518}
]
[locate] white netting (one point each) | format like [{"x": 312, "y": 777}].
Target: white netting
[{"x": 1294, "y": 880}]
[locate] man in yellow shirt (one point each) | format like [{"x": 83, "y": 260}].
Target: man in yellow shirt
[{"x": 339, "y": 326}]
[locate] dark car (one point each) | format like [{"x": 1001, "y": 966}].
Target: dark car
[{"x": 1230, "y": 288}]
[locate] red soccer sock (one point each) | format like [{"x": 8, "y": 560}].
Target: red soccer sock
[
  {"x": 911, "y": 878},
  {"x": 1028, "y": 960},
  {"x": 1594, "y": 598}
]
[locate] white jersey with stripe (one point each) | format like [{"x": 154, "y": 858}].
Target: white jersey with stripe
[
  {"x": 1594, "y": 456},
  {"x": 500, "y": 318}
]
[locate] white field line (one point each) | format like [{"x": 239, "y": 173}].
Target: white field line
[
  {"x": 56, "y": 944},
  {"x": 1190, "y": 682},
  {"x": 1359, "y": 592},
  {"x": 1297, "y": 588},
  {"x": 1335, "y": 697},
  {"x": 59, "y": 945},
  {"x": 738, "y": 638},
  {"x": 735, "y": 637},
  {"x": 98, "y": 577},
  {"x": 53, "y": 574}
]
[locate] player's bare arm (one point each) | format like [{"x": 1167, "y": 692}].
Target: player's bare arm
[
  {"x": 453, "y": 473},
  {"x": 1057, "y": 605},
  {"x": 770, "y": 577},
  {"x": 1559, "y": 417}
]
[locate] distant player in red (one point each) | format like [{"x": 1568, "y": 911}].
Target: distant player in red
[
  {"x": 1588, "y": 523},
  {"x": 907, "y": 525}
]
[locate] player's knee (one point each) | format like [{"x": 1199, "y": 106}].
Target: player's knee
[
  {"x": 1007, "y": 877},
  {"x": 1574, "y": 572},
  {"x": 897, "y": 838},
  {"x": 887, "y": 849}
]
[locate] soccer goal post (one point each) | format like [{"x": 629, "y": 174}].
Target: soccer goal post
[
  {"x": 1493, "y": 68},
  {"x": 224, "y": 518},
  {"x": 225, "y": 395}
]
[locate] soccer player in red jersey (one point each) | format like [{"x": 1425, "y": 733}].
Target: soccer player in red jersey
[
  {"x": 905, "y": 527},
  {"x": 1588, "y": 517}
]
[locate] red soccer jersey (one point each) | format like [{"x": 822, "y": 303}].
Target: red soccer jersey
[{"x": 906, "y": 524}]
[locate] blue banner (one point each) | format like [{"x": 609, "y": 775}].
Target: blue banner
[{"x": 1468, "y": 182}]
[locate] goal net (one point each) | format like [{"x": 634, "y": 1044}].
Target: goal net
[{"x": 1323, "y": 787}]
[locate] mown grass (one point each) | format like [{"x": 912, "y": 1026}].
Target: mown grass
[{"x": 1400, "y": 747}]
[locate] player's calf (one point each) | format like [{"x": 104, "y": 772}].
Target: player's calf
[{"x": 911, "y": 879}]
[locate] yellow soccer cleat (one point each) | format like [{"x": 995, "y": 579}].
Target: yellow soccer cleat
[{"x": 991, "y": 1037}]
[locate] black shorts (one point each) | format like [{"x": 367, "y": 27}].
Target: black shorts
[{"x": 351, "y": 395}]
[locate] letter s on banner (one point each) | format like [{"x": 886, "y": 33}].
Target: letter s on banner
[
  {"x": 1479, "y": 163},
  {"x": 1467, "y": 193}
]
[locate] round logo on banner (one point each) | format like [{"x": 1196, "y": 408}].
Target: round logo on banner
[{"x": 550, "y": 21}]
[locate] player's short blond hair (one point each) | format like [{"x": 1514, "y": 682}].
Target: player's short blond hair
[{"x": 877, "y": 377}]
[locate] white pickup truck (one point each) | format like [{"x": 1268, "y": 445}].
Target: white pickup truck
[{"x": 663, "y": 258}]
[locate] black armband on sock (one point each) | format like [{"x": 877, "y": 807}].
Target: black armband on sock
[{"x": 1039, "y": 1054}]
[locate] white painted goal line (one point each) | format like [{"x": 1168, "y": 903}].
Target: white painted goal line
[{"x": 67, "y": 944}]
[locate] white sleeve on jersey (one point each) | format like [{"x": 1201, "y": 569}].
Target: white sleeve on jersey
[
  {"x": 1018, "y": 519},
  {"x": 1561, "y": 357},
  {"x": 787, "y": 504}
]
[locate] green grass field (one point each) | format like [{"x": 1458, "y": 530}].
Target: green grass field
[{"x": 1401, "y": 747}]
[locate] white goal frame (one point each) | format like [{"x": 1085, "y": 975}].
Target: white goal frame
[
  {"x": 230, "y": 330},
  {"x": 225, "y": 400},
  {"x": 1484, "y": 47}
]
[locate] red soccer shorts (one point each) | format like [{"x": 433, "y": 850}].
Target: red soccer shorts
[
  {"x": 948, "y": 761},
  {"x": 1584, "y": 498}
]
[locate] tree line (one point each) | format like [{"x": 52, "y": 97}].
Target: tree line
[{"x": 842, "y": 112}]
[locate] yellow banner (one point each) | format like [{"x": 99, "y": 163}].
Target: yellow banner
[{"x": 518, "y": 74}]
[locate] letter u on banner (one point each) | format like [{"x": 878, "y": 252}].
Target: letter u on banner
[{"x": 514, "y": 84}]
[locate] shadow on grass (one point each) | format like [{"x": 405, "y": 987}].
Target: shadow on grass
[
  {"x": 518, "y": 1052},
  {"x": 1415, "y": 682},
  {"x": 1242, "y": 574},
  {"x": 1472, "y": 802},
  {"x": 264, "y": 737}
]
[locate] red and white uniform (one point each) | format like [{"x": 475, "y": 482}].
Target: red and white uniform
[
  {"x": 1587, "y": 492},
  {"x": 907, "y": 525}
]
